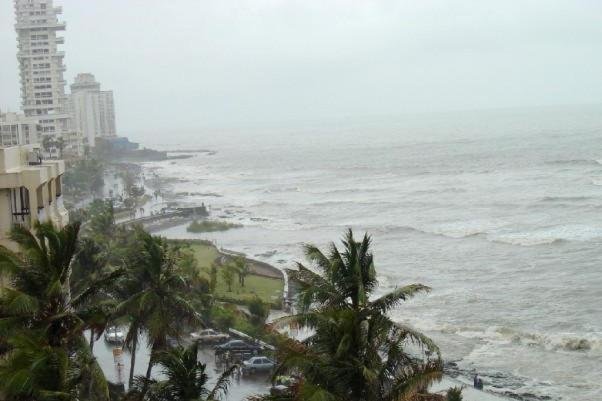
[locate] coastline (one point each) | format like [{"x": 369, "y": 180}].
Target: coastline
[{"x": 449, "y": 379}]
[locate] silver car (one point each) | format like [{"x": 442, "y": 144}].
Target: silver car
[{"x": 258, "y": 364}]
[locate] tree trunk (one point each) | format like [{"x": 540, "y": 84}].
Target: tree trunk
[
  {"x": 91, "y": 339},
  {"x": 133, "y": 359},
  {"x": 149, "y": 369}
]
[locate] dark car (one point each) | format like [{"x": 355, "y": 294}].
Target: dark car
[{"x": 236, "y": 346}]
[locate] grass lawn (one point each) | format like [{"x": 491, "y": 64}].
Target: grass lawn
[{"x": 267, "y": 289}]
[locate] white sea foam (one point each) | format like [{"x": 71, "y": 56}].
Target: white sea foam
[
  {"x": 427, "y": 229},
  {"x": 550, "y": 235},
  {"x": 462, "y": 229}
]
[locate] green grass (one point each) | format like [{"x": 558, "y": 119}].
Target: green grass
[
  {"x": 204, "y": 254},
  {"x": 267, "y": 289}
]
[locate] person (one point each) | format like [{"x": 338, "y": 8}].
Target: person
[
  {"x": 480, "y": 384},
  {"x": 475, "y": 380}
]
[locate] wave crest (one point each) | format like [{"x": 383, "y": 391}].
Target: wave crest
[{"x": 577, "y": 162}]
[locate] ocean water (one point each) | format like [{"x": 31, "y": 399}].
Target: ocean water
[{"x": 499, "y": 212}]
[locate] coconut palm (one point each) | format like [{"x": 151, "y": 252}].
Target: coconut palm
[
  {"x": 355, "y": 351},
  {"x": 33, "y": 369},
  {"x": 157, "y": 304},
  {"x": 242, "y": 269},
  {"x": 228, "y": 275},
  {"x": 38, "y": 304},
  {"x": 186, "y": 379}
]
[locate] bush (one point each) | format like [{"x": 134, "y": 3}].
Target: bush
[
  {"x": 454, "y": 394},
  {"x": 223, "y": 318},
  {"x": 258, "y": 311},
  {"x": 205, "y": 226}
]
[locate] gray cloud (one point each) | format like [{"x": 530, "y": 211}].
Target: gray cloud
[{"x": 190, "y": 63}]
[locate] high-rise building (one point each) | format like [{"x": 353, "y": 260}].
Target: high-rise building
[
  {"x": 41, "y": 70},
  {"x": 93, "y": 110}
]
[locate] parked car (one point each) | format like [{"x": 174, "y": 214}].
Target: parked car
[
  {"x": 114, "y": 335},
  {"x": 210, "y": 336},
  {"x": 258, "y": 364},
  {"x": 236, "y": 346}
]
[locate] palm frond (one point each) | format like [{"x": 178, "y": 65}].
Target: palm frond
[
  {"x": 222, "y": 384},
  {"x": 388, "y": 301}
]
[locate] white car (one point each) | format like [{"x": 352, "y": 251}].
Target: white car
[
  {"x": 210, "y": 336},
  {"x": 114, "y": 335},
  {"x": 258, "y": 364}
]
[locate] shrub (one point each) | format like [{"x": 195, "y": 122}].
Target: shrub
[
  {"x": 205, "y": 226},
  {"x": 258, "y": 311},
  {"x": 454, "y": 394}
]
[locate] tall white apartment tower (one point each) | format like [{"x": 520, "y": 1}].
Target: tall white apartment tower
[
  {"x": 93, "y": 110},
  {"x": 41, "y": 71}
]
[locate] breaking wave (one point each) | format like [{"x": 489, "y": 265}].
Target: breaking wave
[
  {"x": 569, "y": 342},
  {"x": 550, "y": 235},
  {"x": 564, "y": 198},
  {"x": 577, "y": 162}
]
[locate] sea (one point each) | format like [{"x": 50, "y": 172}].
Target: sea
[{"x": 499, "y": 212}]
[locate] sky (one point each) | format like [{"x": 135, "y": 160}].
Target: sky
[{"x": 182, "y": 64}]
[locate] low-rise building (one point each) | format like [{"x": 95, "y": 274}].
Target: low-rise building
[{"x": 30, "y": 190}]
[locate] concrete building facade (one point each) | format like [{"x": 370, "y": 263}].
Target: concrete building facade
[
  {"x": 16, "y": 129},
  {"x": 30, "y": 190},
  {"x": 93, "y": 110},
  {"x": 41, "y": 71}
]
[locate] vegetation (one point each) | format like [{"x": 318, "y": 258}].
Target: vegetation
[
  {"x": 45, "y": 355},
  {"x": 240, "y": 265},
  {"x": 84, "y": 177},
  {"x": 258, "y": 311},
  {"x": 205, "y": 226},
  {"x": 454, "y": 394},
  {"x": 157, "y": 302},
  {"x": 209, "y": 260},
  {"x": 63, "y": 283},
  {"x": 228, "y": 276},
  {"x": 186, "y": 379},
  {"x": 356, "y": 352}
]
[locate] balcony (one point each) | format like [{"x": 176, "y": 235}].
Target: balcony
[
  {"x": 59, "y": 26},
  {"x": 60, "y": 40}
]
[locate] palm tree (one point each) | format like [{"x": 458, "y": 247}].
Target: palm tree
[
  {"x": 39, "y": 305},
  {"x": 186, "y": 379},
  {"x": 228, "y": 275},
  {"x": 33, "y": 369},
  {"x": 242, "y": 268},
  {"x": 157, "y": 304},
  {"x": 91, "y": 265},
  {"x": 355, "y": 351}
]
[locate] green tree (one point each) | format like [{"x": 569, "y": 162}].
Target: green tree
[
  {"x": 41, "y": 320},
  {"x": 101, "y": 223},
  {"x": 258, "y": 311},
  {"x": 213, "y": 277},
  {"x": 240, "y": 265},
  {"x": 228, "y": 275},
  {"x": 185, "y": 378},
  {"x": 355, "y": 352},
  {"x": 158, "y": 303}
]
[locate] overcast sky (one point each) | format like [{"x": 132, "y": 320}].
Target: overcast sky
[{"x": 192, "y": 63}]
